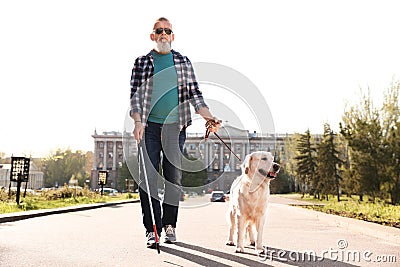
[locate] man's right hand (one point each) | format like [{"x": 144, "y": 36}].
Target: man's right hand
[{"x": 138, "y": 131}]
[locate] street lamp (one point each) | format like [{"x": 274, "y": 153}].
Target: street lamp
[
  {"x": 102, "y": 179},
  {"x": 19, "y": 172}
]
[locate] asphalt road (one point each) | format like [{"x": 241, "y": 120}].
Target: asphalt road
[{"x": 114, "y": 236}]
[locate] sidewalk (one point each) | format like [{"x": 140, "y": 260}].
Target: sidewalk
[{"x": 16, "y": 216}]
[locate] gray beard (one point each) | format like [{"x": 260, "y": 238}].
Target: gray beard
[{"x": 163, "y": 48}]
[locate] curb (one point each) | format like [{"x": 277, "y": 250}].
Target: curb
[{"x": 17, "y": 216}]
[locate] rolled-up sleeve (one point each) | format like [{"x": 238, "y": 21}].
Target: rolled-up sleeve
[{"x": 136, "y": 82}]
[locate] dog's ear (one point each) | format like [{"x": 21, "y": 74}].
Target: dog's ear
[{"x": 246, "y": 164}]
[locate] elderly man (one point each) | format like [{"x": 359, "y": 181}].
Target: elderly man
[{"x": 163, "y": 85}]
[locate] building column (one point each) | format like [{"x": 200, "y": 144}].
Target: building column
[
  {"x": 232, "y": 158},
  {"x": 243, "y": 152},
  {"x": 114, "y": 155},
  {"x": 95, "y": 154},
  {"x": 211, "y": 156},
  {"x": 207, "y": 156},
  {"x": 105, "y": 156},
  {"x": 221, "y": 156}
]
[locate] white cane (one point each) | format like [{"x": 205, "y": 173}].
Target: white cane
[{"x": 150, "y": 203}]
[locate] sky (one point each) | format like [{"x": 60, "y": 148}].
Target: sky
[{"x": 66, "y": 65}]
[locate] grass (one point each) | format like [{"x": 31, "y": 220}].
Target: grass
[
  {"x": 51, "y": 200},
  {"x": 376, "y": 212}
]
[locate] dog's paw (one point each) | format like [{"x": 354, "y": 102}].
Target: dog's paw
[
  {"x": 253, "y": 243},
  {"x": 239, "y": 250},
  {"x": 230, "y": 243}
]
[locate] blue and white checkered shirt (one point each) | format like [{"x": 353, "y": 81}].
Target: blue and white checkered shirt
[{"x": 142, "y": 85}]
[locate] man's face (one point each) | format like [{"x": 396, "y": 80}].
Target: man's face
[{"x": 163, "y": 40}]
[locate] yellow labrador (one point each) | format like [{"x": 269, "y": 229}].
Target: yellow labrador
[{"x": 249, "y": 199}]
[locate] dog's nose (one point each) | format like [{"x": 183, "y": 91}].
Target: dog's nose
[{"x": 276, "y": 167}]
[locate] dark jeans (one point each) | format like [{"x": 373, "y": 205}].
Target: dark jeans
[{"x": 168, "y": 141}]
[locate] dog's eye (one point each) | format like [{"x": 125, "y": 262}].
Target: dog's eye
[{"x": 264, "y": 158}]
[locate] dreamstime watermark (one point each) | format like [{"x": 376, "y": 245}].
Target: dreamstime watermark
[{"x": 341, "y": 253}]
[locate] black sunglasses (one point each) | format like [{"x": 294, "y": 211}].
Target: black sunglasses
[{"x": 160, "y": 31}]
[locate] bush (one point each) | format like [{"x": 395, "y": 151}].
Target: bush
[
  {"x": 68, "y": 192},
  {"x": 3, "y": 194}
]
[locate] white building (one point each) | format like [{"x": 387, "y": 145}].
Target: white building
[
  {"x": 35, "y": 180},
  {"x": 109, "y": 155}
]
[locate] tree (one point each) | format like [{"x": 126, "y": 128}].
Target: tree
[
  {"x": 391, "y": 131},
  {"x": 328, "y": 164},
  {"x": 61, "y": 166},
  {"x": 392, "y": 184},
  {"x": 124, "y": 177},
  {"x": 284, "y": 182},
  {"x": 193, "y": 178},
  {"x": 89, "y": 163},
  {"x": 306, "y": 162},
  {"x": 289, "y": 161},
  {"x": 362, "y": 128}
]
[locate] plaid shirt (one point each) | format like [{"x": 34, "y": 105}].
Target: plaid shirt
[{"x": 142, "y": 86}]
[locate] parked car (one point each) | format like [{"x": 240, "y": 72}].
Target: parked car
[
  {"x": 217, "y": 196},
  {"x": 109, "y": 191}
]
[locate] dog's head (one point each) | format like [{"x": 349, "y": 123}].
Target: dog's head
[{"x": 260, "y": 163}]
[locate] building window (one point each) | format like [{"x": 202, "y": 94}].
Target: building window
[
  {"x": 192, "y": 146},
  {"x": 101, "y": 144},
  {"x": 110, "y": 144},
  {"x": 101, "y": 155}
]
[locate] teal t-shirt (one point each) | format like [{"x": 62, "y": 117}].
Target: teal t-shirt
[{"x": 164, "y": 98}]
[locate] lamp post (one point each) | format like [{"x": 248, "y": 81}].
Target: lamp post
[
  {"x": 102, "y": 179},
  {"x": 19, "y": 172}
]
